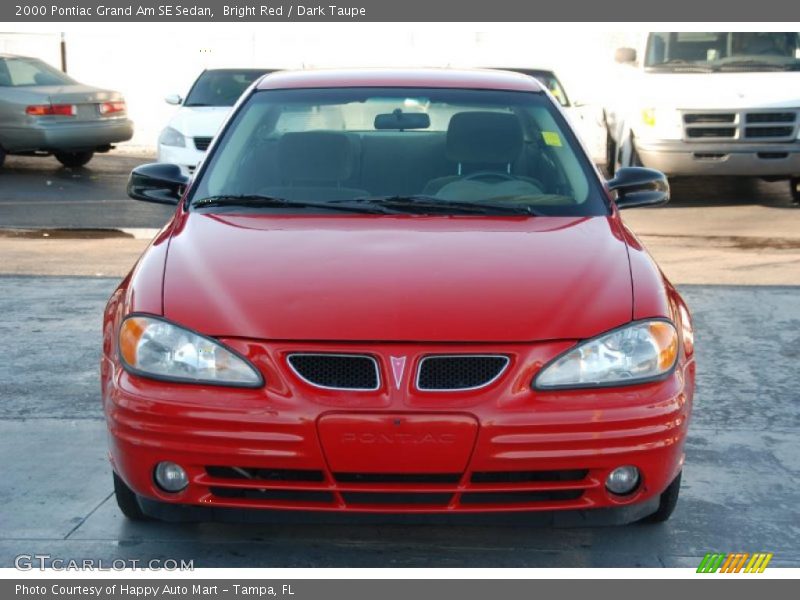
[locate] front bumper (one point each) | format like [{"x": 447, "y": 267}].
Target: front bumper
[
  {"x": 79, "y": 135},
  {"x": 720, "y": 158},
  {"x": 530, "y": 451},
  {"x": 187, "y": 158}
]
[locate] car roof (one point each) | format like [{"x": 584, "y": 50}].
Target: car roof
[{"x": 484, "y": 79}]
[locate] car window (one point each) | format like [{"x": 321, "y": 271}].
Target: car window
[
  {"x": 221, "y": 87},
  {"x": 450, "y": 144},
  {"x": 29, "y": 72}
]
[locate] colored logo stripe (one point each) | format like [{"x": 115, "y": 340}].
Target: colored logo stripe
[{"x": 734, "y": 562}]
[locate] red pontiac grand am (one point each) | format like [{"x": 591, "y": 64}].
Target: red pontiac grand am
[{"x": 397, "y": 291}]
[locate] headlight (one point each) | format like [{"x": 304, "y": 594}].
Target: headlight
[
  {"x": 662, "y": 123},
  {"x": 635, "y": 353},
  {"x": 153, "y": 347},
  {"x": 172, "y": 137}
]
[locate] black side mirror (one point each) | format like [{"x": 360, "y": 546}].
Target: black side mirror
[
  {"x": 637, "y": 186},
  {"x": 625, "y": 55},
  {"x": 157, "y": 182}
]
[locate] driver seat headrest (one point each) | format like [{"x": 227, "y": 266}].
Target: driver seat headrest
[{"x": 484, "y": 137}]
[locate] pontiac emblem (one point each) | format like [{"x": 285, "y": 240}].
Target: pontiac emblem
[{"x": 398, "y": 366}]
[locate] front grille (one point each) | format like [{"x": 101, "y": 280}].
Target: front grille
[
  {"x": 693, "y": 118},
  {"x": 272, "y": 495},
  {"x": 397, "y": 477},
  {"x": 711, "y": 132},
  {"x": 528, "y": 476},
  {"x": 742, "y": 126},
  {"x": 519, "y": 497},
  {"x": 768, "y": 132},
  {"x": 459, "y": 372},
  {"x": 202, "y": 143},
  {"x": 337, "y": 371},
  {"x": 778, "y": 117},
  {"x": 427, "y": 492},
  {"x": 265, "y": 474},
  {"x": 417, "y": 498}
]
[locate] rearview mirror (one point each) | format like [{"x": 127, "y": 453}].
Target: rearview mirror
[
  {"x": 161, "y": 183},
  {"x": 625, "y": 55},
  {"x": 174, "y": 99},
  {"x": 400, "y": 120},
  {"x": 637, "y": 186}
]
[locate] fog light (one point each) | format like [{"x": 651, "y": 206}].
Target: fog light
[
  {"x": 171, "y": 477},
  {"x": 622, "y": 480}
]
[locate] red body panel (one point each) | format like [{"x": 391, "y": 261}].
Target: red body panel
[
  {"x": 456, "y": 279},
  {"x": 402, "y": 288}
]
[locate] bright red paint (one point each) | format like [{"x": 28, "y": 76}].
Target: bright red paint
[{"x": 396, "y": 286}]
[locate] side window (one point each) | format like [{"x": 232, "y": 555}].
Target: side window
[
  {"x": 22, "y": 72},
  {"x": 5, "y": 77}
]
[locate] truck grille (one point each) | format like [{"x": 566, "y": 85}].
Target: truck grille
[
  {"x": 459, "y": 372},
  {"x": 767, "y": 125},
  {"x": 337, "y": 371}
]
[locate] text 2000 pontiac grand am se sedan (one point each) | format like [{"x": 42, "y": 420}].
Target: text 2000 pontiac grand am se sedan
[{"x": 397, "y": 291}]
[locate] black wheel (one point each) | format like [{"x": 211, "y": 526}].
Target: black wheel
[
  {"x": 794, "y": 187},
  {"x": 667, "y": 503},
  {"x": 2, "y": 156},
  {"x": 74, "y": 160},
  {"x": 126, "y": 500}
]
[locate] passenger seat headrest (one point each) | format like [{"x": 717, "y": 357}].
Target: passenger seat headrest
[
  {"x": 484, "y": 137},
  {"x": 315, "y": 156}
]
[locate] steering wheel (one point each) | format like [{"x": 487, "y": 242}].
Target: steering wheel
[{"x": 489, "y": 177}]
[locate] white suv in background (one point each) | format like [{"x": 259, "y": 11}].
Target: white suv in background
[
  {"x": 699, "y": 103},
  {"x": 190, "y": 130}
]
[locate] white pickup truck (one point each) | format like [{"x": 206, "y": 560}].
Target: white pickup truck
[{"x": 700, "y": 103}]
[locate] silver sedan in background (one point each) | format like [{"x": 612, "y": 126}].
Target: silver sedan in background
[{"x": 44, "y": 112}]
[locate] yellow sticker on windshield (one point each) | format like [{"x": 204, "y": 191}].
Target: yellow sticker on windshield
[{"x": 551, "y": 138}]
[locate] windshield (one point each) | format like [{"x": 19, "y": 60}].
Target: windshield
[
  {"x": 445, "y": 146},
  {"x": 737, "y": 51},
  {"x": 221, "y": 87},
  {"x": 18, "y": 72}
]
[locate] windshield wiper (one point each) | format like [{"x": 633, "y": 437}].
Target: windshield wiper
[
  {"x": 439, "y": 205},
  {"x": 755, "y": 64},
  {"x": 680, "y": 64},
  {"x": 259, "y": 201}
]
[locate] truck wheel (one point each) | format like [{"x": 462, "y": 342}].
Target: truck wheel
[
  {"x": 74, "y": 160},
  {"x": 794, "y": 186},
  {"x": 667, "y": 503},
  {"x": 127, "y": 502},
  {"x": 2, "y": 156}
]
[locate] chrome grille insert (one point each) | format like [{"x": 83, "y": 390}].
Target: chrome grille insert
[
  {"x": 458, "y": 372},
  {"x": 353, "y": 372}
]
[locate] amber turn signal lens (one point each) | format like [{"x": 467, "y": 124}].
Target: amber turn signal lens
[
  {"x": 129, "y": 336},
  {"x": 667, "y": 339}
]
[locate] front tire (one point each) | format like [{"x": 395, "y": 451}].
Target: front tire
[
  {"x": 127, "y": 502},
  {"x": 74, "y": 160},
  {"x": 2, "y": 156},
  {"x": 794, "y": 188},
  {"x": 667, "y": 502}
]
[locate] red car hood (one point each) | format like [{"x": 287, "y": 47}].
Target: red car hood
[{"x": 405, "y": 278}]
